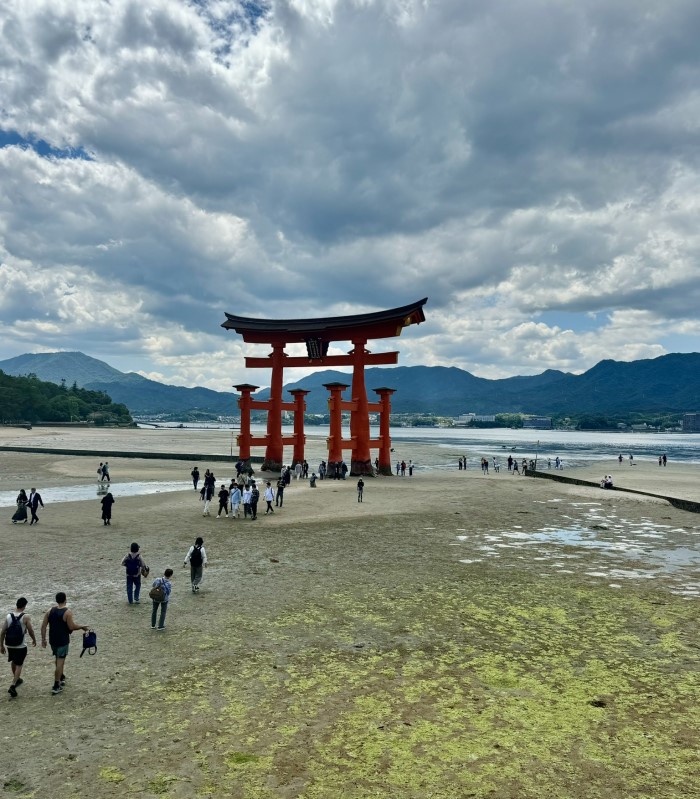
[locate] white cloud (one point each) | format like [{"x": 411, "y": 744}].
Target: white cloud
[{"x": 514, "y": 163}]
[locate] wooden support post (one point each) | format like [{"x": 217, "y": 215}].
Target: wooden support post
[
  {"x": 244, "y": 438},
  {"x": 335, "y": 437},
  {"x": 361, "y": 461},
  {"x": 274, "y": 451},
  {"x": 384, "y": 434},
  {"x": 299, "y": 437}
]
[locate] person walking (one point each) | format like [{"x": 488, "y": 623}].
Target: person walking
[
  {"x": 107, "y": 501},
  {"x": 235, "y": 499},
  {"x": 105, "y": 472},
  {"x": 166, "y": 586},
  {"x": 20, "y": 515},
  {"x": 279, "y": 496},
  {"x": 269, "y": 496},
  {"x": 33, "y": 502},
  {"x": 197, "y": 558},
  {"x": 254, "y": 499},
  {"x": 60, "y": 624},
  {"x": 135, "y": 567},
  {"x": 223, "y": 501},
  {"x": 195, "y": 477},
  {"x": 208, "y": 489},
  {"x": 15, "y": 628},
  {"x": 246, "y": 502},
  {"x": 360, "y": 489}
]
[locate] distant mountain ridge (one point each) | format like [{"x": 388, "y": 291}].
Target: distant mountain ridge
[{"x": 670, "y": 383}]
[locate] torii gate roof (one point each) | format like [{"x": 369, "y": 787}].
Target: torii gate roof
[{"x": 381, "y": 324}]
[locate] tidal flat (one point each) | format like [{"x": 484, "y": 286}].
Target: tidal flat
[{"x": 441, "y": 639}]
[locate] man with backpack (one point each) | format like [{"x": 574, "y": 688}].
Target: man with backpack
[
  {"x": 160, "y": 594},
  {"x": 197, "y": 558},
  {"x": 135, "y": 567},
  {"x": 12, "y": 637},
  {"x": 60, "y": 624}
]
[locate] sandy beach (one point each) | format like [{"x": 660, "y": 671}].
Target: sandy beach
[{"x": 453, "y": 635}]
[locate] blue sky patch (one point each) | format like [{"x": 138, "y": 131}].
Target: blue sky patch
[
  {"x": 579, "y": 323},
  {"x": 8, "y": 138}
]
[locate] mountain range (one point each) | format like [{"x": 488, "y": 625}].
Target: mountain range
[{"x": 670, "y": 383}]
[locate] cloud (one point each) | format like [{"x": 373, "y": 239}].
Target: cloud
[{"x": 516, "y": 163}]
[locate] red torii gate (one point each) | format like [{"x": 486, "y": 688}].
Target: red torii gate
[{"x": 317, "y": 334}]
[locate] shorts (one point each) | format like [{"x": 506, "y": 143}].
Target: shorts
[
  {"x": 60, "y": 651},
  {"x": 16, "y": 654}
]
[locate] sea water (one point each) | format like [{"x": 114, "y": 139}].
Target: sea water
[{"x": 439, "y": 449}]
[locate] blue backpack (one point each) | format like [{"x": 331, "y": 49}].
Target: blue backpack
[
  {"x": 133, "y": 565},
  {"x": 89, "y": 643}
]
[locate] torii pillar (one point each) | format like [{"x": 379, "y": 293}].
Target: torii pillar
[
  {"x": 361, "y": 462},
  {"x": 244, "y": 438},
  {"x": 299, "y": 437},
  {"x": 335, "y": 432},
  {"x": 384, "y": 408}
]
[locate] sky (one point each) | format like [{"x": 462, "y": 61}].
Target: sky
[{"x": 531, "y": 167}]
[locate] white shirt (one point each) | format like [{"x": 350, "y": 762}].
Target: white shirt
[
  {"x": 269, "y": 494},
  {"x": 191, "y": 550}
]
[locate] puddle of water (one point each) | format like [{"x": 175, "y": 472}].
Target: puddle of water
[
  {"x": 91, "y": 491},
  {"x": 612, "y": 548}
]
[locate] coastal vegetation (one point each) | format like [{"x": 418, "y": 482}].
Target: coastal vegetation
[{"x": 28, "y": 399}]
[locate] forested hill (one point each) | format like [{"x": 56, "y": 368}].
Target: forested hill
[
  {"x": 668, "y": 384},
  {"x": 28, "y": 399}
]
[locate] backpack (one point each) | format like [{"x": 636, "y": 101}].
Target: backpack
[
  {"x": 196, "y": 557},
  {"x": 157, "y": 593},
  {"x": 89, "y": 643},
  {"x": 254, "y": 495},
  {"x": 133, "y": 566},
  {"x": 14, "y": 635}
]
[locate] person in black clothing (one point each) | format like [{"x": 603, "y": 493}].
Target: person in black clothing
[
  {"x": 107, "y": 502},
  {"x": 360, "y": 489},
  {"x": 60, "y": 624},
  {"x": 279, "y": 496},
  {"x": 254, "y": 499},
  {"x": 135, "y": 567},
  {"x": 33, "y": 504},
  {"x": 20, "y": 515},
  {"x": 223, "y": 502},
  {"x": 195, "y": 477}
]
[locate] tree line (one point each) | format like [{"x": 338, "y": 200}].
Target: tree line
[{"x": 28, "y": 399}]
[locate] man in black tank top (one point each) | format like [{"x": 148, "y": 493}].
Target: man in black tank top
[{"x": 60, "y": 624}]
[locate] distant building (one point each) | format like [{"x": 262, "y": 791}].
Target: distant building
[
  {"x": 467, "y": 418},
  {"x": 691, "y": 423},
  {"x": 538, "y": 422}
]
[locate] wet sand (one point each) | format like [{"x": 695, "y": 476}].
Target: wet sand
[{"x": 453, "y": 635}]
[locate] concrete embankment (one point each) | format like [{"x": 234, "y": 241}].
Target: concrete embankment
[{"x": 677, "y": 502}]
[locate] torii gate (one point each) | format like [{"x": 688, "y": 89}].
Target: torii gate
[{"x": 317, "y": 334}]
